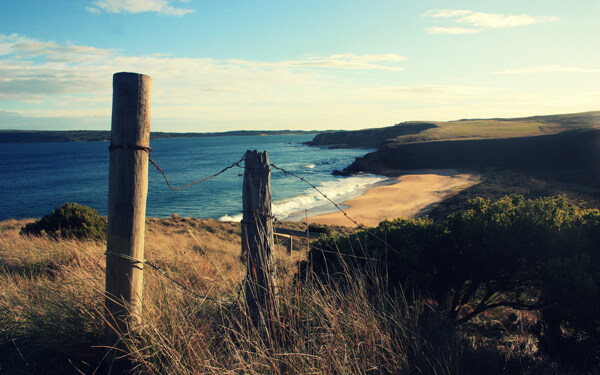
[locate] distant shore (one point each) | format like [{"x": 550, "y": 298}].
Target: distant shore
[
  {"x": 53, "y": 136},
  {"x": 412, "y": 194}
]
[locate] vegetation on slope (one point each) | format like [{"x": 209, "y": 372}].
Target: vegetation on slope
[
  {"x": 472, "y": 129},
  {"x": 344, "y": 316},
  {"x": 51, "y": 313},
  {"x": 71, "y": 220},
  {"x": 369, "y": 138},
  {"x": 504, "y": 128},
  {"x": 539, "y": 255},
  {"x": 560, "y": 147}
]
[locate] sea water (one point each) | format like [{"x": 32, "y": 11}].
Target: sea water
[{"x": 35, "y": 178}]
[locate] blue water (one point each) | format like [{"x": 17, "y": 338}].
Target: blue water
[{"x": 35, "y": 178}]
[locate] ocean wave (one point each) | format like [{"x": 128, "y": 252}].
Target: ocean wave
[
  {"x": 236, "y": 218},
  {"x": 338, "y": 190}
]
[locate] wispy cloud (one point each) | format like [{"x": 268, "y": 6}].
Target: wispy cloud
[
  {"x": 433, "y": 93},
  {"x": 497, "y": 21},
  {"x": 548, "y": 69},
  {"x": 447, "y": 13},
  {"x": 138, "y": 6},
  {"x": 452, "y": 30},
  {"x": 34, "y": 68},
  {"x": 480, "y": 20},
  {"x": 347, "y": 61},
  {"x": 47, "y": 84},
  {"x": 60, "y": 80}
]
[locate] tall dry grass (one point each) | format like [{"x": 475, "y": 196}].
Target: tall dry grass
[{"x": 51, "y": 313}]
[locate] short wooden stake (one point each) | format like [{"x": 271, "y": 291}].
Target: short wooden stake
[
  {"x": 257, "y": 240},
  {"x": 127, "y": 191}
]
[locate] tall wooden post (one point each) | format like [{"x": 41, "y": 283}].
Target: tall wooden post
[
  {"x": 127, "y": 191},
  {"x": 257, "y": 240}
]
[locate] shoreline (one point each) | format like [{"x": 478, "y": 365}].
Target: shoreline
[
  {"x": 408, "y": 195},
  {"x": 405, "y": 193}
]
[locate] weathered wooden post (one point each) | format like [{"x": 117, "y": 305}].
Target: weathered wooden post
[
  {"x": 257, "y": 240},
  {"x": 127, "y": 191}
]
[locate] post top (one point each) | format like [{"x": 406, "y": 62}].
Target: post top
[{"x": 125, "y": 75}]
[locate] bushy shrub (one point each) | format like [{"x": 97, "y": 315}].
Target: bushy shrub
[
  {"x": 541, "y": 254},
  {"x": 71, "y": 220}
]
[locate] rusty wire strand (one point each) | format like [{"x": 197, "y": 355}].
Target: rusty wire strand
[
  {"x": 319, "y": 191},
  {"x": 360, "y": 226},
  {"x": 269, "y": 216},
  {"x": 236, "y": 164},
  {"x": 160, "y": 270}
]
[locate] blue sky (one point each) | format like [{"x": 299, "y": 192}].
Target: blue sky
[{"x": 221, "y": 65}]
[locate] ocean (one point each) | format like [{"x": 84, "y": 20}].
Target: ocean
[{"x": 35, "y": 178}]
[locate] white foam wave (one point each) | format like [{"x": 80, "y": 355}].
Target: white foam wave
[
  {"x": 236, "y": 218},
  {"x": 338, "y": 190}
]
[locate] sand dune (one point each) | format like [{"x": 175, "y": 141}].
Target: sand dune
[{"x": 409, "y": 196}]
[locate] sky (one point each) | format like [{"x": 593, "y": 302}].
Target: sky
[{"x": 220, "y": 65}]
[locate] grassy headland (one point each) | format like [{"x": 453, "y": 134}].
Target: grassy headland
[
  {"x": 560, "y": 152},
  {"x": 467, "y": 129}
]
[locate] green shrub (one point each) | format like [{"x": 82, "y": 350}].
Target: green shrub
[
  {"x": 540, "y": 254},
  {"x": 71, "y": 220}
]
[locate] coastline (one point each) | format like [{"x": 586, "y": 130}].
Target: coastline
[{"x": 407, "y": 195}]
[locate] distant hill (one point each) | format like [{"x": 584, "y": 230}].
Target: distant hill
[
  {"x": 531, "y": 156},
  {"x": 561, "y": 147},
  {"x": 468, "y": 129},
  {"x": 370, "y": 138},
  {"x": 38, "y": 136}
]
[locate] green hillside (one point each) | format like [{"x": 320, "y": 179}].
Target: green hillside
[
  {"x": 467, "y": 129},
  {"x": 504, "y": 128}
]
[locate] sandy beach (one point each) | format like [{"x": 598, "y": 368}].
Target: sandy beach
[{"x": 407, "y": 197}]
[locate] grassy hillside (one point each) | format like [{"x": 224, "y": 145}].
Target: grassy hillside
[
  {"x": 468, "y": 129},
  {"x": 51, "y": 311},
  {"x": 504, "y": 128},
  {"x": 533, "y": 156},
  {"x": 51, "y": 314}
]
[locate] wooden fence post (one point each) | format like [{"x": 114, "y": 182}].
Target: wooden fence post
[
  {"x": 257, "y": 240},
  {"x": 127, "y": 191}
]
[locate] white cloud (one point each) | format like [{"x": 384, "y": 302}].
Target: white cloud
[
  {"x": 22, "y": 47},
  {"x": 432, "y": 93},
  {"x": 138, "y": 6},
  {"x": 348, "y": 61},
  {"x": 447, "y": 13},
  {"x": 72, "y": 80},
  {"x": 93, "y": 10},
  {"x": 47, "y": 84},
  {"x": 548, "y": 69},
  {"x": 452, "y": 30},
  {"x": 496, "y": 21},
  {"x": 482, "y": 20}
]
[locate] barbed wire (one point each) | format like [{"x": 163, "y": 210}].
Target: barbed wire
[
  {"x": 270, "y": 216},
  {"x": 159, "y": 270},
  {"x": 358, "y": 225},
  {"x": 235, "y": 164},
  {"x": 319, "y": 191}
]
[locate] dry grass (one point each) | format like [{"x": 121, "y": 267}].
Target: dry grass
[{"x": 51, "y": 314}]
